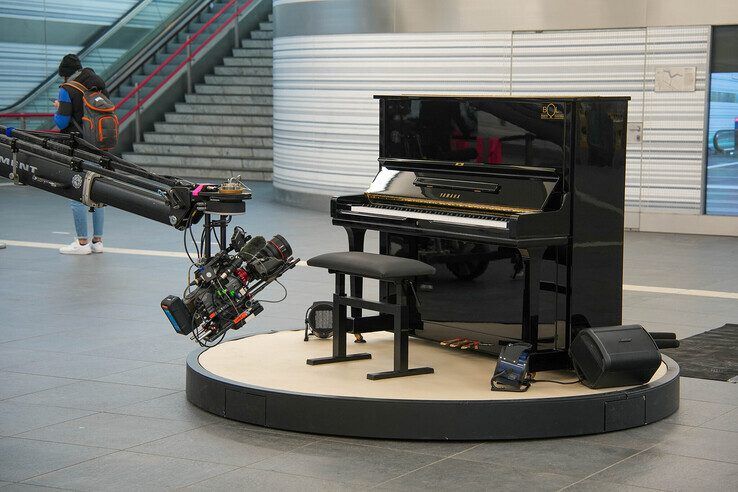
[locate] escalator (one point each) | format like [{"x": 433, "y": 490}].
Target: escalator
[{"x": 223, "y": 91}]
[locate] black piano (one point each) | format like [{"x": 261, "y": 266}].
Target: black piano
[{"x": 518, "y": 202}]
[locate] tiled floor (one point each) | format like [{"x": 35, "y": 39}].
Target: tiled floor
[{"x": 92, "y": 376}]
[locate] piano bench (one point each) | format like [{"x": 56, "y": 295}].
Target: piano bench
[{"x": 384, "y": 268}]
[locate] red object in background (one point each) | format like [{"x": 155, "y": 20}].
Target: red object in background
[{"x": 489, "y": 150}]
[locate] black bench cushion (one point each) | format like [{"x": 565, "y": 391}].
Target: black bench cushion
[{"x": 372, "y": 265}]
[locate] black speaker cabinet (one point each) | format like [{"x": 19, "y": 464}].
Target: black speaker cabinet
[{"x": 615, "y": 356}]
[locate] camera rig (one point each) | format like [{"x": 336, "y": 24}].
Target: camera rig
[{"x": 222, "y": 294}]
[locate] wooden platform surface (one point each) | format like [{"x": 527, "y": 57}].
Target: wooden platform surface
[{"x": 276, "y": 361}]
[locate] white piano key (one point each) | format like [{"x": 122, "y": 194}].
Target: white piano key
[{"x": 436, "y": 217}]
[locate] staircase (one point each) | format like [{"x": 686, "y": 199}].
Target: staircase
[{"x": 223, "y": 129}]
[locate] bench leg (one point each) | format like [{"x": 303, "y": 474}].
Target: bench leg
[
  {"x": 339, "y": 329},
  {"x": 401, "y": 342}
]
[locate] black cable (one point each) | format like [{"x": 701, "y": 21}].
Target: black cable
[
  {"x": 557, "y": 382},
  {"x": 280, "y": 300}
]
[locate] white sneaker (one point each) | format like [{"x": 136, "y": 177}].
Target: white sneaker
[
  {"x": 76, "y": 249},
  {"x": 96, "y": 247}
]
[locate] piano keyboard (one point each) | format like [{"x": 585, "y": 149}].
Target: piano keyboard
[{"x": 448, "y": 217}]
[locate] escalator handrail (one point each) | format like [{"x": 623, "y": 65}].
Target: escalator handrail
[{"x": 184, "y": 62}]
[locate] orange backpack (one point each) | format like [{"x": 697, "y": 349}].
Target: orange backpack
[{"x": 99, "y": 122}]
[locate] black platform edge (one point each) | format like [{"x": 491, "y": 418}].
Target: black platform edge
[{"x": 433, "y": 419}]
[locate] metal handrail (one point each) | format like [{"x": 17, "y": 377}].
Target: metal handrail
[
  {"x": 182, "y": 22},
  {"x": 190, "y": 56},
  {"x": 49, "y": 81}
]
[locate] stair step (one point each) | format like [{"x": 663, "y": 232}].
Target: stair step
[
  {"x": 256, "y": 43},
  {"x": 231, "y": 70},
  {"x": 206, "y": 130},
  {"x": 237, "y": 80},
  {"x": 183, "y": 163},
  {"x": 233, "y": 89},
  {"x": 223, "y": 109},
  {"x": 217, "y": 140},
  {"x": 262, "y": 34},
  {"x": 266, "y": 26},
  {"x": 218, "y": 119},
  {"x": 231, "y": 61},
  {"x": 253, "y": 52},
  {"x": 203, "y": 151},
  {"x": 227, "y": 99}
]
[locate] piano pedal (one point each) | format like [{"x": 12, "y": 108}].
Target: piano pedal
[{"x": 446, "y": 343}]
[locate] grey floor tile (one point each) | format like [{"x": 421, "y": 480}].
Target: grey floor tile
[
  {"x": 441, "y": 449},
  {"x": 663, "y": 471},
  {"x": 160, "y": 348},
  {"x": 591, "y": 485},
  {"x": 572, "y": 457},
  {"x": 164, "y": 376},
  {"x": 76, "y": 366},
  {"x": 639, "y": 438},
  {"x": 16, "y": 418},
  {"x": 696, "y": 412},
  {"x": 93, "y": 395},
  {"x": 174, "y": 406},
  {"x": 131, "y": 471},
  {"x": 452, "y": 474},
  {"x": 27, "y": 487},
  {"x": 13, "y": 356},
  {"x": 726, "y": 422},
  {"x": 21, "y": 459},
  {"x": 229, "y": 445},
  {"x": 699, "y": 442},
  {"x": 16, "y": 384},
  {"x": 109, "y": 430},
  {"x": 338, "y": 462},
  {"x": 705, "y": 390},
  {"x": 243, "y": 478}
]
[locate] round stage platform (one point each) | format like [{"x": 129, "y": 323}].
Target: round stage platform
[{"x": 264, "y": 380}]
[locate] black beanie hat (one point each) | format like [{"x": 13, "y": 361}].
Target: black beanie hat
[{"x": 69, "y": 64}]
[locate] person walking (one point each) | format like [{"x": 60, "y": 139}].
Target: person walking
[{"x": 68, "y": 117}]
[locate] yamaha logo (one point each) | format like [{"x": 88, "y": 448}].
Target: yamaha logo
[{"x": 450, "y": 195}]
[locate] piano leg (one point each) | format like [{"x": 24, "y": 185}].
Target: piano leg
[
  {"x": 532, "y": 259},
  {"x": 356, "y": 243},
  {"x": 540, "y": 360}
]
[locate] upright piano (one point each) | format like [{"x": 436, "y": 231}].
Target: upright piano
[{"x": 517, "y": 201}]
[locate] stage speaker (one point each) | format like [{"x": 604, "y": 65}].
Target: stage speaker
[{"x": 614, "y": 356}]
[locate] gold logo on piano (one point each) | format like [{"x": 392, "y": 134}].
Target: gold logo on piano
[
  {"x": 450, "y": 195},
  {"x": 458, "y": 163},
  {"x": 550, "y": 111}
]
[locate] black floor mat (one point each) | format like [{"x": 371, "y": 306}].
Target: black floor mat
[{"x": 710, "y": 355}]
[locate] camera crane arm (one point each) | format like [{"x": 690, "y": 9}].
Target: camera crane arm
[{"x": 68, "y": 166}]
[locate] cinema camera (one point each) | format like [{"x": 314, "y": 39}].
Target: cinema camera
[{"x": 223, "y": 294}]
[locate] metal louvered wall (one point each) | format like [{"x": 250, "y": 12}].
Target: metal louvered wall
[{"x": 325, "y": 120}]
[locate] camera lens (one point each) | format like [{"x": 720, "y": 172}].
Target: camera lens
[{"x": 277, "y": 247}]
